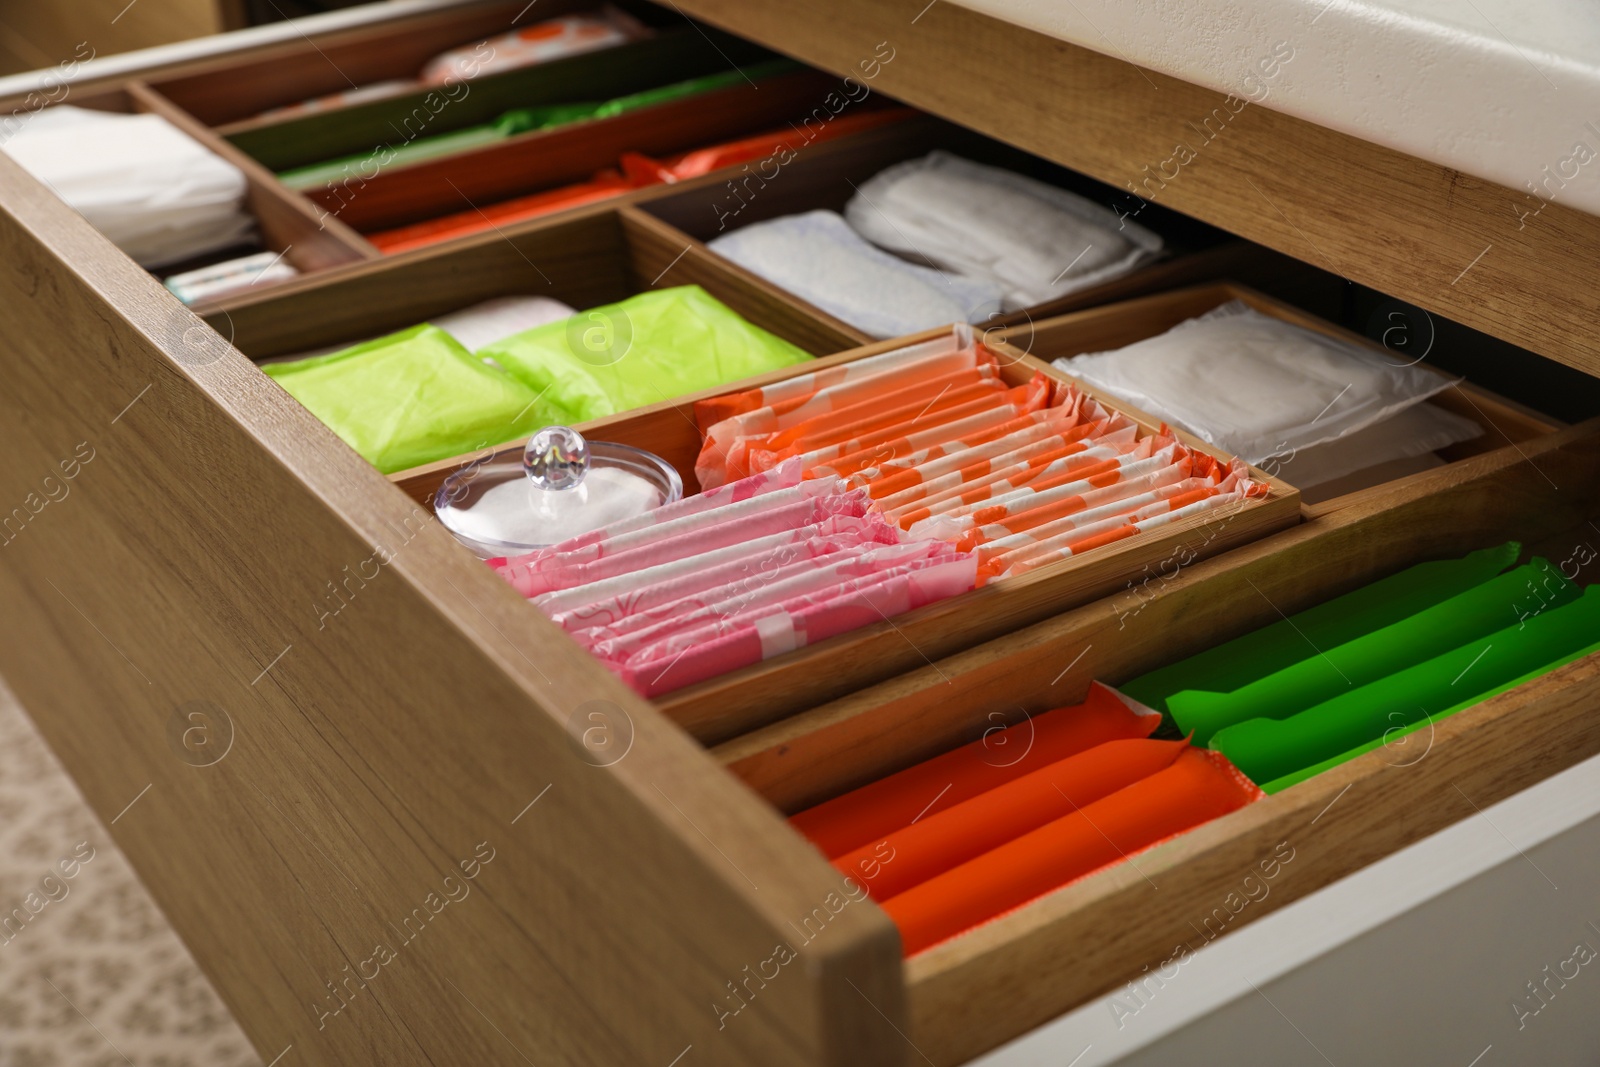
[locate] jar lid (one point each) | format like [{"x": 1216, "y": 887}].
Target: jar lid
[{"x": 563, "y": 486}]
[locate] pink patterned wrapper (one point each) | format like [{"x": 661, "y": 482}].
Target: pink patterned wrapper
[
  {"x": 637, "y": 550},
  {"x": 711, "y": 651},
  {"x": 619, "y": 640},
  {"x": 621, "y": 595}
]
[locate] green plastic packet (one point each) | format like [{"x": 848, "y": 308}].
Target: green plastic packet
[
  {"x": 1270, "y": 649},
  {"x": 513, "y": 123},
  {"x": 1333, "y": 670},
  {"x": 649, "y": 348},
  {"x": 410, "y": 398},
  {"x": 1396, "y": 737},
  {"x": 1266, "y": 750}
]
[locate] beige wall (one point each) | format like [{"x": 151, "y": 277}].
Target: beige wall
[{"x": 42, "y": 33}]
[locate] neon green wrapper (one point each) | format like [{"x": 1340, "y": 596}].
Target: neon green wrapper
[
  {"x": 518, "y": 121},
  {"x": 1266, "y": 750},
  {"x": 649, "y": 348},
  {"x": 1394, "y": 738},
  {"x": 1336, "y": 669},
  {"x": 410, "y": 398},
  {"x": 1270, "y": 649}
]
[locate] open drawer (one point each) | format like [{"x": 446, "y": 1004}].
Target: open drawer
[
  {"x": 1505, "y": 424},
  {"x": 429, "y": 829},
  {"x": 1128, "y": 921},
  {"x": 437, "y": 742}
]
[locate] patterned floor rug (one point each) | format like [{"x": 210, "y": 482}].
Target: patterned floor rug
[{"x": 91, "y": 974}]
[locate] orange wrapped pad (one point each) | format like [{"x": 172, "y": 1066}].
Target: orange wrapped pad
[
  {"x": 870, "y": 813},
  {"x": 955, "y": 835},
  {"x": 1198, "y": 787}
]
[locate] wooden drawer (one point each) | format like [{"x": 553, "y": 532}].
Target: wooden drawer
[{"x": 429, "y": 829}]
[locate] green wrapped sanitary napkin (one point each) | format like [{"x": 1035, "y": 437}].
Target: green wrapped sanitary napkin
[
  {"x": 1266, "y": 651},
  {"x": 1336, "y": 669},
  {"x": 652, "y": 347},
  {"x": 1266, "y": 750},
  {"x": 410, "y": 398},
  {"x": 514, "y": 123},
  {"x": 418, "y": 396}
]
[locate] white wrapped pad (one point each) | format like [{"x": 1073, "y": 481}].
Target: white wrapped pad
[
  {"x": 819, "y": 258},
  {"x": 1034, "y": 240},
  {"x": 158, "y": 194},
  {"x": 1256, "y": 386}
]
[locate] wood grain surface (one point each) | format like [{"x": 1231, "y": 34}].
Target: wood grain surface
[
  {"x": 181, "y": 532},
  {"x": 1445, "y": 241}
]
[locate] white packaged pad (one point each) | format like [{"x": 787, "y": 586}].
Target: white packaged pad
[
  {"x": 1257, "y": 387},
  {"x": 818, "y": 257},
  {"x": 157, "y": 193},
  {"x": 1036, "y": 241}
]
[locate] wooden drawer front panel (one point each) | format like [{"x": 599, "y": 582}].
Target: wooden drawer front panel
[{"x": 375, "y": 749}]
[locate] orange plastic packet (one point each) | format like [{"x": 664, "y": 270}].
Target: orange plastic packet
[
  {"x": 959, "y": 474},
  {"x": 1080, "y": 490},
  {"x": 725, "y": 419},
  {"x": 868, "y": 814},
  {"x": 644, "y": 170},
  {"x": 889, "y": 404},
  {"x": 951, "y": 837},
  {"x": 897, "y": 475},
  {"x": 1080, "y": 465},
  {"x": 953, "y": 405},
  {"x": 1028, "y": 557},
  {"x": 1198, "y": 787},
  {"x": 603, "y": 186},
  {"x": 955, "y": 346},
  {"x": 994, "y": 420}
]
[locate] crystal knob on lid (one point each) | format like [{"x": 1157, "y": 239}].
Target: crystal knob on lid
[
  {"x": 557, "y": 457},
  {"x": 563, "y": 486}
]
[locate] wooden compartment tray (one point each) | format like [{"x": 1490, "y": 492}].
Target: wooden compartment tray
[
  {"x": 742, "y": 700},
  {"x": 999, "y": 980},
  {"x": 825, "y": 176},
  {"x": 1505, "y": 424}
]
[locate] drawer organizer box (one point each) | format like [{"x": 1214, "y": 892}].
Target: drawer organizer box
[{"x": 438, "y": 831}]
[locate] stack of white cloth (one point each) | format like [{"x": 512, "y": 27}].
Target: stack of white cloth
[
  {"x": 158, "y": 194},
  {"x": 1036, "y": 241},
  {"x": 818, "y": 256},
  {"x": 1303, "y": 405}
]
